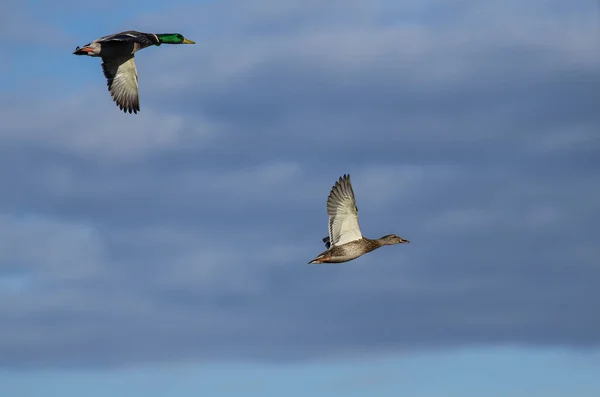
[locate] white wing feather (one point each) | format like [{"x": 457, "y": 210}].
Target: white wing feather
[
  {"x": 122, "y": 82},
  {"x": 343, "y": 213}
]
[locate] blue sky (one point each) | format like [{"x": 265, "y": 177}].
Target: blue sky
[
  {"x": 466, "y": 372},
  {"x": 165, "y": 253}
]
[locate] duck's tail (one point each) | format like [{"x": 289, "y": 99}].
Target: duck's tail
[
  {"x": 323, "y": 258},
  {"x": 83, "y": 50}
]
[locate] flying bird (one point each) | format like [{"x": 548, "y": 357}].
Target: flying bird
[
  {"x": 118, "y": 65},
  {"x": 345, "y": 241}
]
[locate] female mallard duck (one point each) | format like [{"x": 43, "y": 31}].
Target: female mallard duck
[
  {"x": 118, "y": 65},
  {"x": 345, "y": 242}
]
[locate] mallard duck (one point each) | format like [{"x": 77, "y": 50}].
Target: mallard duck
[
  {"x": 118, "y": 65},
  {"x": 345, "y": 241}
]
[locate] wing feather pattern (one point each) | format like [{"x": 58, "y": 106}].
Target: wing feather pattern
[
  {"x": 122, "y": 81},
  {"x": 343, "y": 213}
]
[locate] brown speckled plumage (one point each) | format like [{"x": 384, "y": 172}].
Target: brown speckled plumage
[{"x": 345, "y": 241}]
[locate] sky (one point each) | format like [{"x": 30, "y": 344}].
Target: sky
[{"x": 165, "y": 253}]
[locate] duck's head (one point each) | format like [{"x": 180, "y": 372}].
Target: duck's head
[
  {"x": 173, "y": 38},
  {"x": 391, "y": 239}
]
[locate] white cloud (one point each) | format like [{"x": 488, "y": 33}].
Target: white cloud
[
  {"x": 49, "y": 249},
  {"x": 91, "y": 125}
]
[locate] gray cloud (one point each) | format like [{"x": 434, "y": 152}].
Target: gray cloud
[{"x": 184, "y": 232}]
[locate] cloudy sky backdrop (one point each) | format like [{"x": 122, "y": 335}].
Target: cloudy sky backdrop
[{"x": 164, "y": 253}]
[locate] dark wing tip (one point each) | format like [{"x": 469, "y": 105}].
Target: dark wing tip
[
  {"x": 132, "y": 108},
  {"x": 341, "y": 189},
  {"x": 343, "y": 179},
  {"x": 342, "y": 182}
]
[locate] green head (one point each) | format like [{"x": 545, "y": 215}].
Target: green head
[{"x": 173, "y": 38}]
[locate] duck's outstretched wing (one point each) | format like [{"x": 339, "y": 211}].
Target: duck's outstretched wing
[
  {"x": 132, "y": 36},
  {"x": 122, "y": 81},
  {"x": 343, "y": 213}
]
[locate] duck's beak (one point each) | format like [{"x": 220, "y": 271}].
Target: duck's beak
[
  {"x": 404, "y": 241},
  {"x": 187, "y": 41}
]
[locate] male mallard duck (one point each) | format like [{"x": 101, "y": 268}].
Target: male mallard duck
[
  {"x": 118, "y": 65},
  {"x": 345, "y": 241}
]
